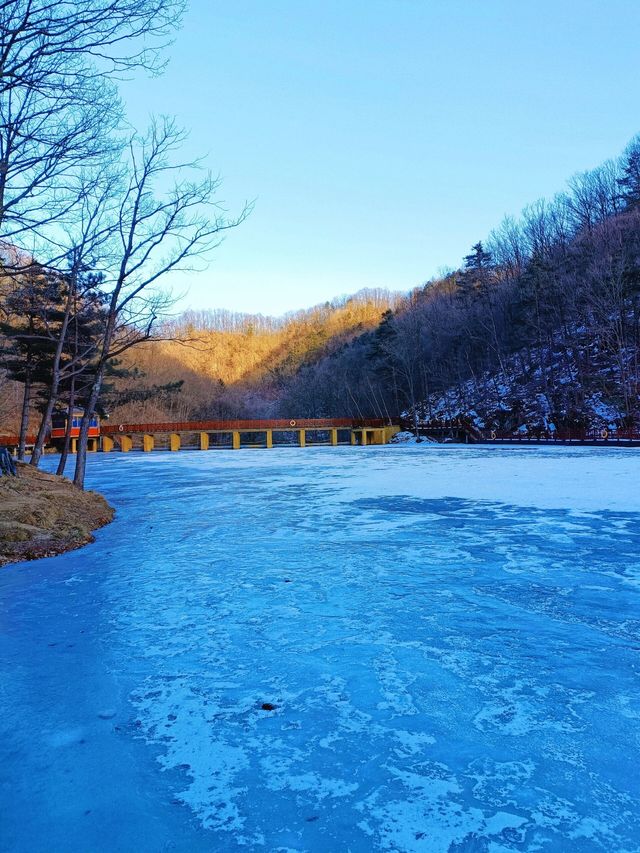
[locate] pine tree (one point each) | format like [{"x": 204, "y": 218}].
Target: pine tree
[
  {"x": 478, "y": 260},
  {"x": 630, "y": 183},
  {"x": 32, "y": 311},
  {"x": 477, "y": 271}
]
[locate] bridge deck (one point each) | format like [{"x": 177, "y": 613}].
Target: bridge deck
[
  {"x": 245, "y": 425},
  {"x": 205, "y": 435}
]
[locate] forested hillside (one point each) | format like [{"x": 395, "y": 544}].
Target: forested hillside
[
  {"x": 538, "y": 330},
  {"x": 217, "y": 364},
  {"x": 236, "y": 365}
]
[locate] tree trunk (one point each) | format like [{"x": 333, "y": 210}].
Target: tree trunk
[
  {"x": 38, "y": 447},
  {"x": 67, "y": 433},
  {"x": 81, "y": 457},
  {"x": 55, "y": 379},
  {"x": 24, "y": 420}
]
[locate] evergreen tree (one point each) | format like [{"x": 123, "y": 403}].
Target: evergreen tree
[
  {"x": 477, "y": 271},
  {"x": 32, "y": 313},
  {"x": 478, "y": 260},
  {"x": 630, "y": 182}
]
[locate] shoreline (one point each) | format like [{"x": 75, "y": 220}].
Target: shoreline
[{"x": 43, "y": 515}]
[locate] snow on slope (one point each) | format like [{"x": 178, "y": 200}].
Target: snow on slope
[{"x": 526, "y": 396}]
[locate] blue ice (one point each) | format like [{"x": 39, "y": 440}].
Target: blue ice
[{"x": 352, "y": 649}]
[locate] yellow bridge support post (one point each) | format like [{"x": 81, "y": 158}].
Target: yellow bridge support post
[
  {"x": 204, "y": 441},
  {"x": 235, "y": 440},
  {"x": 363, "y": 440},
  {"x": 147, "y": 443},
  {"x": 374, "y": 436},
  {"x": 269, "y": 438},
  {"x": 334, "y": 437},
  {"x": 74, "y": 445},
  {"x": 107, "y": 443},
  {"x": 390, "y": 431},
  {"x": 302, "y": 438},
  {"x": 126, "y": 443},
  {"x": 354, "y": 438},
  {"x": 174, "y": 441}
]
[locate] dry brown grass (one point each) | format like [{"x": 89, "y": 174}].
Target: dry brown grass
[{"x": 42, "y": 515}]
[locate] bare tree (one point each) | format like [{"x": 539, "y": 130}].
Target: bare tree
[
  {"x": 156, "y": 231},
  {"x": 103, "y": 36},
  {"x": 77, "y": 284},
  {"x": 58, "y": 102},
  {"x": 594, "y": 195}
]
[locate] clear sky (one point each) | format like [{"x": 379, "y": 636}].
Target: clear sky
[{"x": 381, "y": 138}]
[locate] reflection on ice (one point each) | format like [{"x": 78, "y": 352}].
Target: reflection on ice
[{"x": 383, "y": 649}]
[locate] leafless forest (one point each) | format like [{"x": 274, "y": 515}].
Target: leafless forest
[{"x": 539, "y": 326}]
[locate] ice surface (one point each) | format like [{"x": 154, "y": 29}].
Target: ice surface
[{"x": 449, "y": 638}]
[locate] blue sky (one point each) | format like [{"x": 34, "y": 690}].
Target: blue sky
[{"x": 381, "y": 138}]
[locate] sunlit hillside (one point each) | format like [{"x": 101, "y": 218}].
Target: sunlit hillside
[{"x": 234, "y": 365}]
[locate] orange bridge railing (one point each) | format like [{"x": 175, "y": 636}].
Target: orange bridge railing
[{"x": 244, "y": 425}]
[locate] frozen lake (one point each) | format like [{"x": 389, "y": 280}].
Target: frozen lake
[{"x": 449, "y": 638}]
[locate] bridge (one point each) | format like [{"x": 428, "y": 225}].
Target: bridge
[
  {"x": 234, "y": 435},
  {"x": 308, "y": 432},
  {"x": 229, "y": 434}
]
